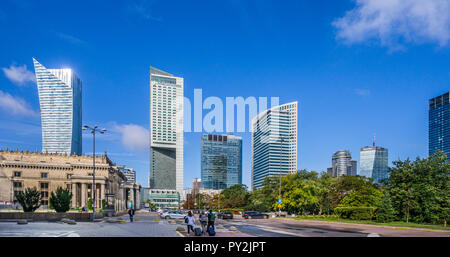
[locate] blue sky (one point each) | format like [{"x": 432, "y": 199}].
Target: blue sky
[{"x": 356, "y": 68}]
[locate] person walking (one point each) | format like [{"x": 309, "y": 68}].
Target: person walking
[
  {"x": 131, "y": 213},
  {"x": 211, "y": 219},
  {"x": 190, "y": 220},
  {"x": 203, "y": 220}
]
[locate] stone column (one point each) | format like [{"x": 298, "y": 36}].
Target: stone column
[
  {"x": 132, "y": 198},
  {"x": 138, "y": 199},
  {"x": 83, "y": 194},
  {"x": 74, "y": 195},
  {"x": 102, "y": 191}
]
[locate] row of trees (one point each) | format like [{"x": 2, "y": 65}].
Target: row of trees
[
  {"x": 417, "y": 191},
  {"x": 30, "y": 199}
]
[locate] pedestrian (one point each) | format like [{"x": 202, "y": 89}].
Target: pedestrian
[
  {"x": 211, "y": 219},
  {"x": 203, "y": 220},
  {"x": 190, "y": 220},
  {"x": 131, "y": 213}
]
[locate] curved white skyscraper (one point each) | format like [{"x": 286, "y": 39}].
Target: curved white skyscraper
[
  {"x": 274, "y": 143},
  {"x": 166, "y": 131},
  {"x": 60, "y": 103}
]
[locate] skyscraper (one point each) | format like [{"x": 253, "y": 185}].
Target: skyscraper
[
  {"x": 60, "y": 103},
  {"x": 221, "y": 161},
  {"x": 274, "y": 143},
  {"x": 439, "y": 124},
  {"x": 373, "y": 162},
  {"x": 166, "y": 131},
  {"x": 342, "y": 164}
]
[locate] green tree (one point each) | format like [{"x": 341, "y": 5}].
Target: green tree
[
  {"x": 355, "y": 191},
  {"x": 420, "y": 189},
  {"x": 30, "y": 199},
  {"x": 386, "y": 212},
  {"x": 235, "y": 196},
  {"x": 61, "y": 200}
]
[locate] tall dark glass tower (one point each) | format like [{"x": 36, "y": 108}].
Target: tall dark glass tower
[
  {"x": 221, "y": 161},
  {"x": 439, "y": 125}
]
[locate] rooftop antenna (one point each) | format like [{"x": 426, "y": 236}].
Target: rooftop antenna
[{"x": 374, "y": 134}]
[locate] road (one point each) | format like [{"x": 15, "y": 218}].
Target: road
[
  {"x": 275, "y": 228},
  {"x": 150, "y": 225},
  {"x": 308, "y": 228}
]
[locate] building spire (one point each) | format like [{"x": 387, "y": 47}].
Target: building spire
[{"x": 374, "y": 134}]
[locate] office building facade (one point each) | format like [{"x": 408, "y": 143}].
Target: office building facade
[
  {"x": 373, "y": 162},
  {"x": 274, "y": 143},
  {"x": 342, "y": 164},
  {"x": 439, "y": 125},
  {"x": 221, "y": 157},
  {"x": 166, "y": 131},
  {"x": 60, "y": 103}
]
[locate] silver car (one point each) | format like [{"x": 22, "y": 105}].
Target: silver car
[{"x": 173, "y": 215}]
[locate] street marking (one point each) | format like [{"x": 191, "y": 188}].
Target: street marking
[
  {"x": 373, "y": 235},
  {"x": 181, "y": 235}
]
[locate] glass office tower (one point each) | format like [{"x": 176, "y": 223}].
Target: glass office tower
[
  {"x": 221, "y": 161},
  {"x": 374, "y": 162},
  {"x": 274, "y": 143},
  {"x": 439, "y": 125},
  {"x": 342, "y": 164},
  {"x": 166, "y": 131},
  {"x": 60, "y": 103}
]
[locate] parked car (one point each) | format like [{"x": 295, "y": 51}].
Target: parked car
[
  {"x": 225, "y": 215},
  {"x": 174, "y": 215},
  {"x": 254, "y": 215}
]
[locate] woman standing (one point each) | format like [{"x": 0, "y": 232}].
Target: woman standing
[{"x": 190, "y": 220}]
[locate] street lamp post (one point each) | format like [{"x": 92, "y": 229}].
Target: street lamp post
[{"x": 94, "y": 189}]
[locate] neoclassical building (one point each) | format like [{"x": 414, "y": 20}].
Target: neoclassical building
[{"x": 46, "y": 172}]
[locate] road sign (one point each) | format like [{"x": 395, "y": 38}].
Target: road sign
[
  {"x": 279, "y": 201},
  {"x": 279, "y": 205}
]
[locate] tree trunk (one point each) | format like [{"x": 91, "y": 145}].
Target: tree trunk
[{"x": 445, "y": 223}]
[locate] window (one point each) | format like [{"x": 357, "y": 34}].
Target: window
[
  {"x": 44, "y": 185},
  {"x": 17, "y": 184},
  {"x": 44, "y": 175},
  {"x": 17, "y": 173},
  {"x": 69, "y": 176}
]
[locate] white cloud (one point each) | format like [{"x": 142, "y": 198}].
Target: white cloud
[
  {"x": 71, "y": 39},
  {"x": 15, "y": 105},
  {"x": 19, "y": 74},
  {"x": 362, "y": 92},
  {"x": 134, "y": 137},
  {"x": 394, "y": 22}
]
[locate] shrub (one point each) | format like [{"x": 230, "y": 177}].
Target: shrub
[
  {"x": 90, "y": 202},
  {"x": 61, "y": 200},
  {"x": 30, "y": 199},
  {"x": 355, "y": 213}
]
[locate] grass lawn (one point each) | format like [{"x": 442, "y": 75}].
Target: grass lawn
[{"x": 394, "y": 223}]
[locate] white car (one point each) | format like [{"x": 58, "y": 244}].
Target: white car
[{"x": 173, "y": 215}]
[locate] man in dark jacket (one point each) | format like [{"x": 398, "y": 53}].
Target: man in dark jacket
[
  {"x": 131, "y": 213},
  {"x": 211, "y": 219}
]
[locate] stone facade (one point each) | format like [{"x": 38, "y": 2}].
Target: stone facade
[{"x": 46, "y": 172}]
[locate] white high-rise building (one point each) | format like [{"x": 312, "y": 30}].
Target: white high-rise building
[
  {"x": 166, "y": 131},
  {"x": 60, "y": 101},
  {"x": 274, "y": 143}
]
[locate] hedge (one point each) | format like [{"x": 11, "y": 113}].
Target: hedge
[
  {"x": 355, "y": 213},
  {"x": 231, "y": 210}
]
